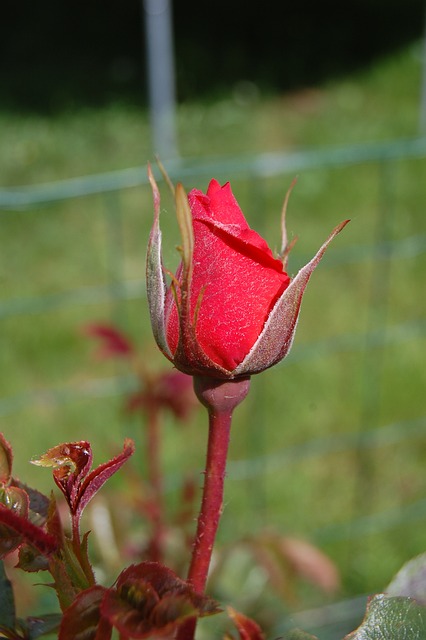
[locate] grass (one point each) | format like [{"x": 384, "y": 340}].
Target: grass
[{"x": 96, "y": 241}]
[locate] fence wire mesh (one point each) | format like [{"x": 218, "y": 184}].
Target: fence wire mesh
[{"x": 73, "y": 253}]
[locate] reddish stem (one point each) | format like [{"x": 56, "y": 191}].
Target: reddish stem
[
  {"x": 211, "y": 506},
  {"x": 81, "y": 557},
  {"x": 156, "y": 483},
  {"x": 220, "y": 398}
]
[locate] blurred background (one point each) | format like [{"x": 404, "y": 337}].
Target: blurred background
[{"x": 330, "y": 445}]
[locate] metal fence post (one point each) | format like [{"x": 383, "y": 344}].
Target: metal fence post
[
  {"x": 422, "y": 115},
  {"x": 161, "y": 77}
]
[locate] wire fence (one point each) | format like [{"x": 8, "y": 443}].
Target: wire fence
[
  {"x": 379, "y": 333},
  {"x": 260, "y": 166}
]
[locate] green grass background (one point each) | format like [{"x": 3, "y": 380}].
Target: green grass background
[{"x": 317, "y": 392}]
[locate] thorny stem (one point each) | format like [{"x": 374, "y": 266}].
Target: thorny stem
[
  {"x": 220, "y": 398},
  {"x": 80, "y": 555},
  {"x": 212, "y": 502}
]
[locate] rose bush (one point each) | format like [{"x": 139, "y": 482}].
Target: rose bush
[{"x": 231, "y": 309}]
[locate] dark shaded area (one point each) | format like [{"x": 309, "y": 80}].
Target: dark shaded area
[
  {"x": 56, "y": 55},
  {"x": 287, "y": 45}
]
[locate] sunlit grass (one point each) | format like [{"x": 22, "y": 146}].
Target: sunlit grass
[{"x": 91, "y": 243}]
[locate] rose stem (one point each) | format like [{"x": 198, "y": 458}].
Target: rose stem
[
  {"x": 155, "y": 481},
  {"x": 220, "y": 398},
  {"x": 80, "y": 555}
]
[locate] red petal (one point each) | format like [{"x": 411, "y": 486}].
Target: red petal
[
  {"x": 221, "y": 211},
  {"x": 234, "y": 275},
  {"x": 275, "y": 341}
]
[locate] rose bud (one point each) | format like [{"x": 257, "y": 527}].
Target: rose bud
[{"x": 231, "y": 310}]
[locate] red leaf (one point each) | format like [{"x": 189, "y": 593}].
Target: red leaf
[
  {"x": 170, "y": 390},
  {"x": 15, "y": 501},
  {"x": 82, "y": 620},
  {"x": 310, "y": 563},
  {"x": 9, "y": 540},
  {"x": 53, "y": 522},
  {"x": 150, "y": 600},
  {"x": 32, "y": 534},
  {"x": 247, "y": 628},
  {"x": 38, "y": 502},
  {"x": 162, "y": 579},
  {"x": 166, "y": 582},
  {"x": 71, "y": 461},
  {"x": 129, "y": 608},
  {"x": 96, "y": 478},
  {"x": 113, "y": 342},
  {"x": 173, "y": 608},
  {"x": 6, "y": 459}
]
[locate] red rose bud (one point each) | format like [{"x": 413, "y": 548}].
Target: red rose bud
[{"x": 231, "y": 309}]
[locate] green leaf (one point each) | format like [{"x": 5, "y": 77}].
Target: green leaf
[
  {"x": 155, "y": 282},
  {"x": 184, "y": 217},
  {"x": 392, "y": 618},
  {"x": 410, "y": 581},
  {"x": 297, "y": 634},
  {"x": 31, "y": 560},
  {"x": 64, "y": 583},
  {"x": 7, "y": 601}
]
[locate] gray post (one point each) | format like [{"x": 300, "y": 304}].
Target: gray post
[
  {"x": 422, "y": 117},
  {"x": 161, "y": 76}
]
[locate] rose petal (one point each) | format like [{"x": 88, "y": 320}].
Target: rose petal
[
  {"x": 276, "y": 339},
  {"x": 235, "y": 281}
]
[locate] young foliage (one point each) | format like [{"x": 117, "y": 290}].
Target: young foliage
[
  {"x": 147, "y": 600},
  {"x": 71, "y": 464},
  {"x": 23, "y": 511}
]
